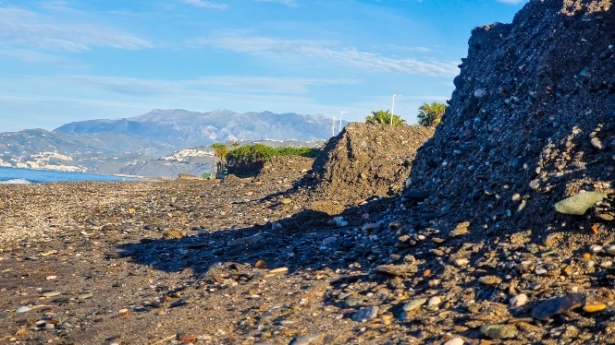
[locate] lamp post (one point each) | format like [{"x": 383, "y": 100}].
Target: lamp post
[
  {"x": 393, "y": 108},
  {"x": 341, "y": 113},
  {"x": 333, "y": 127}
]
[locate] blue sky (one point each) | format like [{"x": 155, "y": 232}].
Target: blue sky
[{"x": 65, "y": 60}]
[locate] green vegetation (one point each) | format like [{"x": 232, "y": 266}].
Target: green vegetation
[
  {"x": 220, "y": 150},
  {"x": 383, "y": 117},
  {"x": 430, "y": 115},
  {"x": 259, "y": 152}
]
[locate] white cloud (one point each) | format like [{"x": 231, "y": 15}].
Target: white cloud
[
  {"x": 205, "y": 4},
  {"x": 27, "y": 28},
  {"x": 256, "y": 85},
  {"x": 327, "y": 51}
]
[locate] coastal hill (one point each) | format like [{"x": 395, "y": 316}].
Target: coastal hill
[
  {"x": 139, "y": 144},
  {"x": 181, "y": 128}
]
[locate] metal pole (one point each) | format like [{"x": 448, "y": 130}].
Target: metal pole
[
  {"x": 341, "y": 113},
  {"x": 333, "y": 127},
  {"x": 393, "y": 109}
]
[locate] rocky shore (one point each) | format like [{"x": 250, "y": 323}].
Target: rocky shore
[{"x": 452, "y": 237}]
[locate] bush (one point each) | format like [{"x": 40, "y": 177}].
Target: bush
[{"x": 260, "y": 152}]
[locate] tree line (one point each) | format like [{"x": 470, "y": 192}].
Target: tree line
[{"x": 430, "y": 115}]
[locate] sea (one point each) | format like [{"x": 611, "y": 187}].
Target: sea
[{"x": 25, "y": 176}]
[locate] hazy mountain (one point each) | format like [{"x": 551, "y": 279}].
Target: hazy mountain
[
  {"x": 182, "y": 128},
  {"x": 137, "y": 145}
]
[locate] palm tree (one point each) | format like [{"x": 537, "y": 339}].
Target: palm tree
[
  {"x": 383, "y": 117},
  {"x": 430, "y": 115},
  {"x": 220, "y": 150}
]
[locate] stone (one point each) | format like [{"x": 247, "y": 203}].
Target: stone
[
  {"x": 462, "y": 263},
  {"x": 85, "y": 295},
  {"x": 610, "y": 250},
  {"x": 557, "y": 305},
  {"x": 594, "y": 308},
  {"x": 366, "y": 314},
  {"x": 305, "y": 340},
  {"x": 499, "y": 331},
  {"x": 480, "y": 93},
  {"x": 172, "y": 235},
  {"x": 594, "y": 249},
  {"x": 23, "y": 309},
  {"x": 414, "y": 304},
  {"x": 454, "y": 341},
  {"x": 518, "y": 300},
  {"x": 490, "y": 280},
  {"x": 351, "y": 301},
  {"x": 434, "y": 301},
  {"x": 397, "y": 270},
  {"x": 580, "y": 203},
  {"x": 460, "y": 230},
  {"x": 51, "y": 293}
]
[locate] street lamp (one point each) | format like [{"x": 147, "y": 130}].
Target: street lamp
[
  {"x": 393, "y": 108},
  {"x": 341, "y": 113}
]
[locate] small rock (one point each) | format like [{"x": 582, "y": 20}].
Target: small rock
[
  {"x": 85, "y": 295},
  {"x": 580, "y": 203},
  {"x": 434, "y": 301},
  {"x": 340, "y": 221},
  {"x": 461, "y": 229},
  {"x": 593, "y": 308},
  {"x": 51, "y": 293},
  {"x": 285, "y": 201},
  {"x": 351, "y": 301},
  {"x": 480, "y": 93},
  {"x": 367, "y": 314},
  {"x": 594, "y": 249},
  {"x": 414, "y": 304},
  {"x": 518, "y": 300},
  {"x": 454, "y": 341},
  {"x": 499, "y": 331},
  {"x": 305, "y": 340},
  {"x": 540, "y": 271},
  {"x": 462, "y": 263},
  {"x": 557, "y": 305},
  {"x": 490, "y": 280},
  {"x": 397, "y": 270},
  {"x": 610, "y": 250},
  {"x": 597, "y": 144},
  {"x": 279, "y": 270},
  {"x": 23, "y": 309},
  {"x": 172, "y": 235}
]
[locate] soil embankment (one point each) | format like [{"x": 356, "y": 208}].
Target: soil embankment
[{"x": 473, "y": 252}]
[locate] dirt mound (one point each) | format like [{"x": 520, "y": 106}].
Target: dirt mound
[
  {"x": 530, "y": 123},
  {"x": 285, "y": 168},
  {"x": 368, "y": 160}
]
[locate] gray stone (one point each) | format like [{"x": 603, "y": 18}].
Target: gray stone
[
  {"x": 580, "y": 203},
  {"x": 305, "y": 340},
  {"x": 499, "y": 331},
  {"x": 23, "y": 309},
  {"x": 351, "y": 301},
  {"x": 367, "y": 314},
  {"x": 414, "y": 304}
]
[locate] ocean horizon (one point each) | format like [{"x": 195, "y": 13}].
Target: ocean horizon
[{"x": 26, "y": 176}]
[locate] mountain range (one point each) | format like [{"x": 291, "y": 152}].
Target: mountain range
[{"x": 122, "y": 145}]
